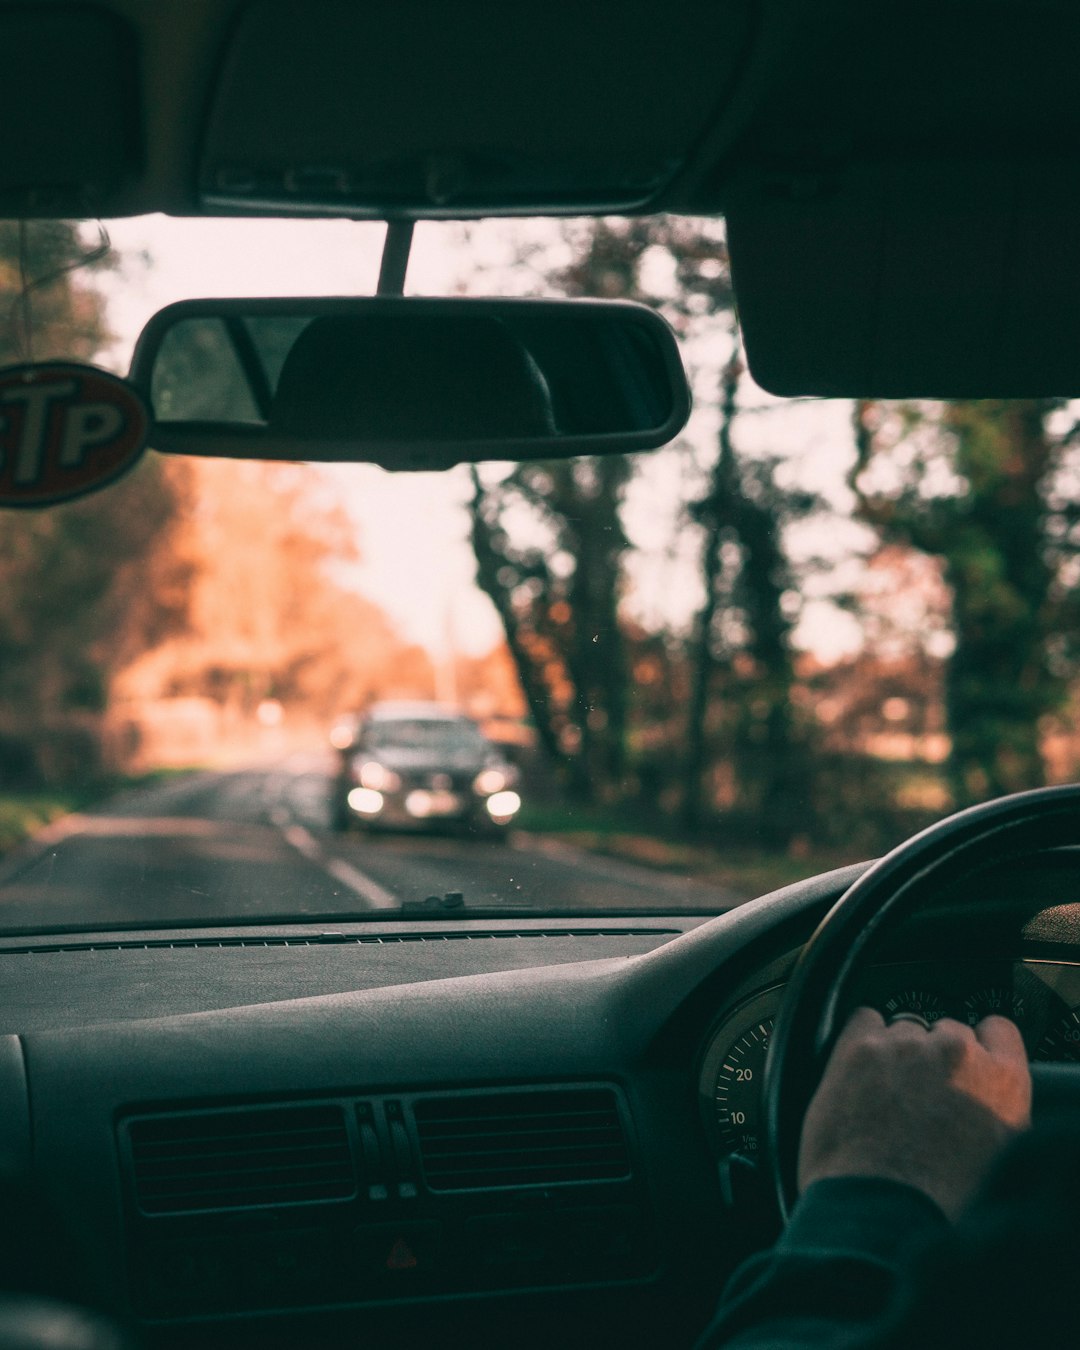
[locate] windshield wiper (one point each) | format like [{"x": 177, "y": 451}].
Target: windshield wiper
[{"x": 452, "y": 903}]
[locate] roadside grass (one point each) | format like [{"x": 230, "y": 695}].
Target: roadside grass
[
  {"x": 637, "y": 836},
  {"x": 22, "y": 814}
]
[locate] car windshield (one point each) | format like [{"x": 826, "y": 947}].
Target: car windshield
[
  {"x": 234, "y": 691},
  {"x": 427, "y": 734}
]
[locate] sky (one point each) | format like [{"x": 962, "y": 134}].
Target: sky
[{"x": 417, "y": 564}]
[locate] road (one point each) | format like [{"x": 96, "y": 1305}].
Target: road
[{"x": 256, "y": 844}]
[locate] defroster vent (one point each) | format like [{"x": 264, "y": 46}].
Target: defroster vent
[
  {"x": 533, "y": 1138},
  {"x": 238, "y": 1159}
]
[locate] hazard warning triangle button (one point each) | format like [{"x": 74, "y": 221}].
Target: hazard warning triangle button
[
  {"x": 401, "y": 1257},
  {"x": 390, "y": 1251}
]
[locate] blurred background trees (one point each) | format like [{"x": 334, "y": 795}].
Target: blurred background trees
[
  {"x": 87, "y": 586},
  {"x": 185, "y": 590},
  {"x": 743, "y": 704},
  {"x": 965, "y": 600},
  {"x": 553, "y": 548},
  {"x": 265, "y": 619},
  {"x": 976, "y": 486},
  {"x": 550, "y": 549}
]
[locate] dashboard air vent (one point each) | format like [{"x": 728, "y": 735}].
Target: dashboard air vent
[
  {"x": 483, "y": 1140},
  {"x": 238, "y": 1159}
]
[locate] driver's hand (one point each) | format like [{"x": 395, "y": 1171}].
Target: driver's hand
[{"x": 929, "y": 1107}]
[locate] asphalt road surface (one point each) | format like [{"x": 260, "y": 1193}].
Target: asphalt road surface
[{"x": 256, "y": 844}]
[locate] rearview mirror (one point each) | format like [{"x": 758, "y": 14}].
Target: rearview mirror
[{"x": 410, "y": 383}]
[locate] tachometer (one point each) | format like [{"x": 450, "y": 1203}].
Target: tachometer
[
  {"x": 738, "y": 1088},
  {"x": 732, "y": 1072}
]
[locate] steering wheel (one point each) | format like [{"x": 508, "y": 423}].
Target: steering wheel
[{"x": 819, "y": 995}]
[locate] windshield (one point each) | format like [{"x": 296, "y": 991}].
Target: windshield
[
  {"x": 234, "y": 691},
  {"x": 429, "y": 734}
]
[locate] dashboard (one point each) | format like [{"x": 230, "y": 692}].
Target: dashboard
[{"x": 477, "y": 1130}]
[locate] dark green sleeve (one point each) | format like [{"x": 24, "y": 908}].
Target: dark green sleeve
[{"x": 832, "y": 1274}]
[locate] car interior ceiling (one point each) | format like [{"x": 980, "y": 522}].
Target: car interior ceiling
[{"x": 882, "y": 210}]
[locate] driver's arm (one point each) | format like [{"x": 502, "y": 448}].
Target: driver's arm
[{"x": 896, "y": 1141}]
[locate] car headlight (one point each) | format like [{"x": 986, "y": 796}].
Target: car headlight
[
  {"x": 503, "y": 806},
  {"x": 495, "y": 778},
  {"x": 365, "y": 801},
  {"x": 378, "y": 777}
]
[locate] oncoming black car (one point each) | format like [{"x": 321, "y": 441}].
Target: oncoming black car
[{"x": 421, "y": 765}]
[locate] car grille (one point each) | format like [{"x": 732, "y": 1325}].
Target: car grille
[{"x": 435, "y": 780}]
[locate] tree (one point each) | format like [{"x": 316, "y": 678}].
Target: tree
[
  {"x": 557, "y": 587},
  {"x": 84, "y": 587},
  {"x": 973, "y": 484},
  {"x": 558, "y": 600},
  {"x": 741, "y": 653},
  {"x": 550, "y": 539},
  {"x": 48, "y": 309},
  {"x": 552, "y": 551},
  {"x": 75, "y": 580}
]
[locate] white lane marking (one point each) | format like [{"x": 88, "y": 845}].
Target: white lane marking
[
  {"x": 367, "y": 888},
  {"x": 303, "y": 842}
]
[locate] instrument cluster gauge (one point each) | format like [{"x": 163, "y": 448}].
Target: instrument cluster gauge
[
  {"x": 998, "y": 1000},
  {"x": 1061, "y": 1043},
  {"x": 732, "y": 1072},
  {"x": 733, "y": 1063},
  {"x": 925, "y": 1002}
]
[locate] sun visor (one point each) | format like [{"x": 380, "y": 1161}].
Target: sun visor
[
  {"x": 951, "y": 280},
  {"x": 72, "y": 113},
  {"x": 463, "y": 109}
]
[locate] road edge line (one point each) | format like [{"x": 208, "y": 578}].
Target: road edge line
[{"x": 367, "y": 888}]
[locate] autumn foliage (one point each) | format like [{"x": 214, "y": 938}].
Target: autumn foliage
[{"x": 153, "y": 619}]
